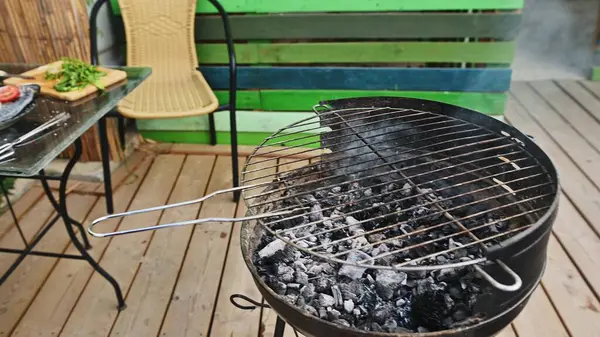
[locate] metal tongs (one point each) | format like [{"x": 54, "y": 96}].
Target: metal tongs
[
  {"x": 184, "y": 223},
  {"x": 7, "y": 150}
]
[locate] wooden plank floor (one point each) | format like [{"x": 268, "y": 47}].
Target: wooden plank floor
[{"x": 178, "y": 281}]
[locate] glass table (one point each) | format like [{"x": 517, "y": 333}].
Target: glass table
[{"x": 31, "y": 158}]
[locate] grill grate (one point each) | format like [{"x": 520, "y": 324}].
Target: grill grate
[{"x": 372, "y": 170}]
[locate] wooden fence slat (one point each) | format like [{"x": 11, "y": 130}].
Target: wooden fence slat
[
  {"x": 277, "y": 6},
  {"x": 504, "y": 26},
  {"x": 303, "y": 100},
  {"x": 358, "y": 52},
  {"x": 353, "y": 78}
]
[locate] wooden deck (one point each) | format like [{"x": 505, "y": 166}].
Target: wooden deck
[{"x": 178, "y": 282}]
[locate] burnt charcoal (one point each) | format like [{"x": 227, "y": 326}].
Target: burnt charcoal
[
  {"x": 350, "y": 271},
  {"x": 373, "y": 238},
  {"x": 294, "y": 286},
  {"x": 455, "y": 292},
  {"x": 341, "y": 322},
  {"x": 387, "y": 281},
  {"x": 459, "y": 315},
  {"x": 317, "y": 269},
  {"x": 284, "y": 272},
  {"x": 382, "y": 313},
  {"x": 337, "y": 295},
  {"x": 279, "y": 287},
  {"x": 390, "y": 325},
  {"x": 406, "y": 190},
  {"x": 375, "y": 327},
  {"x": 348, "y": 306},
  {"x": 325, "y": 300},
  {"x": 316, "y": 213},
  {"x": 322, "y": 284},
  {"x": 336, "y": 189},
  {"x": 300, "y": 302},
  {"x": 308, "y": 292},
  {"x": 311, "y": 310},
  {"x": 428, "y": 309},
  {"x": 400, "y": 302},
  {"x": 300, "y": 266},
  {"x": 333, "y": 314},
  {"x": 301, "y": 277},
  {"x": 309, "y": 199},
  {"x": 352, "y": 291},
  {"x": 323, "y": 312},
  {"x": 272, "y": 248},
  {"x": 422, "y": 329},
  {"x": 370, "y": 279},
  {"x": 291, "y": 297}
]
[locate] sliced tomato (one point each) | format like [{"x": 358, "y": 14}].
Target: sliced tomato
[{"x": 9, "y": 93}]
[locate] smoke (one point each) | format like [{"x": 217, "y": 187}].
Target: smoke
[{"x": 556, "y": 39}]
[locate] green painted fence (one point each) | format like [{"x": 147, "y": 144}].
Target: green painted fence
[
  {"x": 280, "y": 6},
  {"x": 359, "y": 52},
  {"x": 353, "y": 34}
]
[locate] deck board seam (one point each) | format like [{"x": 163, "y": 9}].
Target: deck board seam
[
  {"x": 101, "y": 256},
  {"x": 152, "y": 234},
  {"x": 189, "y": 241},
  {"x": 214, "y": 309}
]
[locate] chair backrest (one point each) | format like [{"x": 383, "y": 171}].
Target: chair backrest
[{"x": 160, "y": 34}]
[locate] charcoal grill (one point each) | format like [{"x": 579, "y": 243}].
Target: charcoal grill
[{"x": 479, "y": 193}]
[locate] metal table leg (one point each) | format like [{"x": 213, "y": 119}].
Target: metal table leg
[
  {"x": 56, "y": 206},
  {"x": 69, "y": 226},
  {"x": 61, "y": 206},
  {"x": 105, "y": 165}
]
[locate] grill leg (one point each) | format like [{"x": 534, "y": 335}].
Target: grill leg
[{"x": 279, "y": 327}]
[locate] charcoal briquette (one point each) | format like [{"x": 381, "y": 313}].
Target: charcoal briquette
[
  {"x": 341, "y": 322},
  {"x": 322, "y": 284},
  {"x": 308, "y": 292},
  {"x": 325, "y": 300},
  {"x": 390, "y": 325},
  {"x": 382, "y": 313},
  {"x": 459, "y": 315},
  {"x": 348, "y": 306},
  {"x": 311, "y": 310}
]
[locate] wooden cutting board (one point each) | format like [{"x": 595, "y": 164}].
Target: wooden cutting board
[{"x": 47, "y": 86}]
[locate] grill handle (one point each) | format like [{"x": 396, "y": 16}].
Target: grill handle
[
  {"x": 501, "y": 286},
  {"x": 179, "y": 223}
]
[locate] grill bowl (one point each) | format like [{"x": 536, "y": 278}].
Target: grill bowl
[{"x": 525, "y": 252}]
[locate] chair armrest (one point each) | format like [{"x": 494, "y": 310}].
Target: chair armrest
[{"x": 94, "y": 31}]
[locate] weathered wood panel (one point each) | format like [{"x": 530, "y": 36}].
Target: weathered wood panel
[
  {"x": 352, "y": 78},
  {"x": 355, "y": 26},
  {"x": 358, "y": 52}
]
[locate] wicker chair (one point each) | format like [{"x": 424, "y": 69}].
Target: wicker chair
[{"x": 160, "y": 34}]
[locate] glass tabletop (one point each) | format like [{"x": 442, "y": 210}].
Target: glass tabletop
[{"x": 38, "y": 153}]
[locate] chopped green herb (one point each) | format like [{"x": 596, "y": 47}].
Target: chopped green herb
[{"x": 74, "y": 75}]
